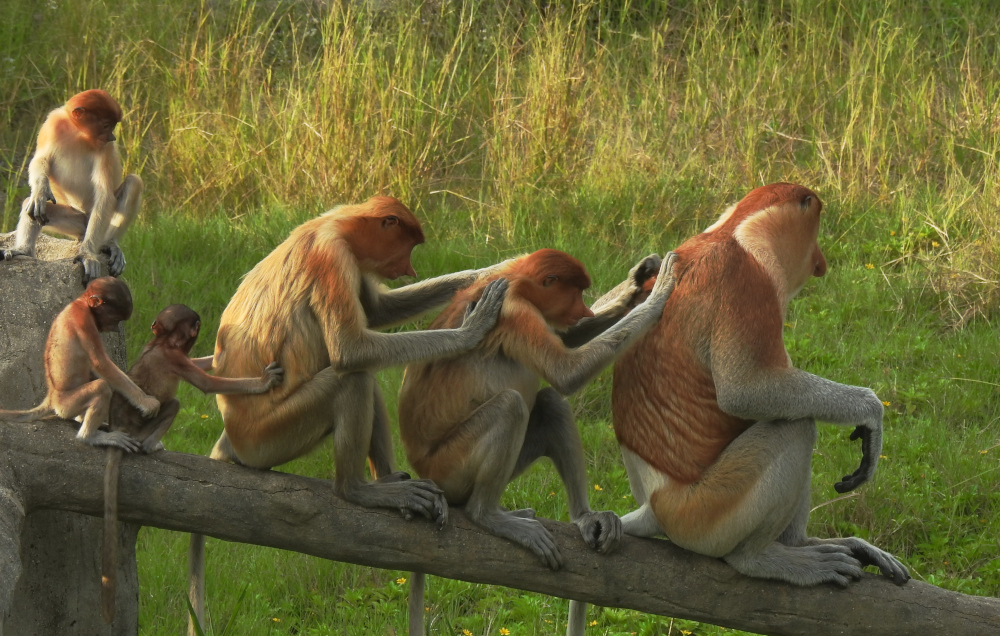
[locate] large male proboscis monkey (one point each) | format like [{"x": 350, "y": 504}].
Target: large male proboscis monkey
[
  {"x": 474, "y": 421},
  {"x": 161, "y": 365},
  {"x": 717, "y": 427},
  {"x": 74, "y": 354},
  {"x": 313, "y": 304},
  {"x": 76, "y": 183}
]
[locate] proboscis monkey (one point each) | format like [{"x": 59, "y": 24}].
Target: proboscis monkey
[
  {"x": 76, "y": 183},
  {"x": 74, "y": 354},
  {"x": 312, "y": 305},
  {"x": 717, "y": 427},
  {"x": 474, "y": 421},
  {"x": 163, "y": 363}
]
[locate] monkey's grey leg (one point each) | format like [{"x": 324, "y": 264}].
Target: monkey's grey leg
[
  {"x": 761, "y": 478},
  {"x": 866, "y": 553},
  {"x": 484, "y": 451},
  {"x": 196, "y": 582},
  {"x": 381, "y": 460},
  {"x": 553, "y": 433},
  {"x": 353, "y": 412},
  {"x": 92, "y": 400},
  {"x": 128, "y": 199},
  {"x": 161, "y": 424},
  {"x": 26, "y": 234},
  {"x": 66, "y": 220},
  {"x": 576, "y": 622}
]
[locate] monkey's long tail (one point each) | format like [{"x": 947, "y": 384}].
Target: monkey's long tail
[
  {"x": 109, "y": 555},
  {"x": 196, "y": 582},
  {"x": 415, "y": 604},
  {"x": 40, "y": 412}
]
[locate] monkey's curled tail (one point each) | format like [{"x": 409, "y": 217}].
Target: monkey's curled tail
[{"x": 109, "y": 555}]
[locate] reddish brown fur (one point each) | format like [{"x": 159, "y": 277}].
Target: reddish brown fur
[
  {"x": 523, "y": 336},
  {"x": 95, "y": 113},
  {"x": 664, "y": 400}
]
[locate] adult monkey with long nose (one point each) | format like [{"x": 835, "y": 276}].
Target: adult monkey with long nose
[
  {"x": 717, "y": 427},
  {"x": 312, "y": 305}
]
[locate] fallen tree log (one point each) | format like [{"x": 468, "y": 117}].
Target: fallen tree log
[{"x": 189, "y": 493}]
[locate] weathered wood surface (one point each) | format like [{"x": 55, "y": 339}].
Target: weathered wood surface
[{"x": 189, "y": 493}]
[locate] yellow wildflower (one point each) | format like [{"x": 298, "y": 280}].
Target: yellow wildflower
[
  {"x": 276, "y": 619},
  {"x": 935, "y": 244},
  {"x": 869, "y": 266},
  {"x": 882, "y": 457},
  {"x": 204, "y": 417},
  {"x": 597, "y": 487},
  {"x": 593, "y": 623},
  {"x": 466, "y": 632},
  {"x": 504, "y": 631},
  {"x": 884, "y": 403},
  {"x": 892, "y": 233},
  {"x": 401, "y": 580}
]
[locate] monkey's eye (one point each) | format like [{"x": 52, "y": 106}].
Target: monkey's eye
[
  {"x": 549, "y": 280},
  {"x": 389, "y": 221}
]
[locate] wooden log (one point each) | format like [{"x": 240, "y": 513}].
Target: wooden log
[{"x": 189, "y": 493}]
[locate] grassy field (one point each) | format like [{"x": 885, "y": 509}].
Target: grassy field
[{"x": 609, "y": 130}]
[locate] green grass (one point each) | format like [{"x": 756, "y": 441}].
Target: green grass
[{"x": 609, "y": 130}]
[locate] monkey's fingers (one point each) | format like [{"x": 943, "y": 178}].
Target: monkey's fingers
[
  {"x": 91, "y": 267},
  {"x": 645, "y": 269},
  {"x": 116, "y": 259}
]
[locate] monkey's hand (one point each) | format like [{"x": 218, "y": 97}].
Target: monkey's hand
[
  {"x": 481, "y": 316},
  {"x": 639, "y": 277},
  {"x": 273, "y": 375},
  {"x": 36, "y": 204},
  {"x": 600, "y": 530},
  {"x": 91, "y": 266},
  {"x": 871, "y": 448},
  {"x": 148, "y": 406},
  {"x": 665, "y": 281},
  {"x": 116, "y": 259}
]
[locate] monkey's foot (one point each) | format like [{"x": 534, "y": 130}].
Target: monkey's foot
[
  {"x": 91, "y": 267},
  {"x": 116, "y": 439},
  {"x": 116, "y": 259},
  {"x": 601, "y": 530},
  {"x": 6, "y": 255},
  {"x": 529, "y": 533},
  {"x": 155, "y": 447},
  {"x": 868, "y": 554},
  {"x": 410, "y": 496},
  {"x": 801, "y": 565}
]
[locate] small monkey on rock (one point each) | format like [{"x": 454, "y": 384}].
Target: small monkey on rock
[
  {"x": 716, "y": 426},
  {"x": 474, "y": 421},
  {"x": 76, "y": 183},
  {"x": 74, "y": 354},
  {"x": 163, "y": 363}
]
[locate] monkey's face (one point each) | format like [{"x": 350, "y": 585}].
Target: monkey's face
[
  {"x": 560, "y": 303},
  {"x": 107, "y": 315},
  {"x": 99, "y": 127}
]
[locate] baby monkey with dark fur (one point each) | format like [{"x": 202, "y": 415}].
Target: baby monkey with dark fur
[{"x": 163, "y": 363}]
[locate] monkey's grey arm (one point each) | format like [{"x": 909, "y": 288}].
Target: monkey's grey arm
[
  {"x": 789, "y": 393},
  {"x": 582, "y": 364},
  {"x": 373, "y": 350},
  {"x": 385, "y": 308},
  {"x": 609, "y": 308}
]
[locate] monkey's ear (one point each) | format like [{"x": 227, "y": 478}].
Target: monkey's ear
[
  {"x": 79, "y": 112},
  {"x": 390, "y": 221},
  {"x": 157, "y": 328},
  {"x": 195, "y": 328},
  {"x": 94, "y": 301},
  {"x": 806, "y": 201}
]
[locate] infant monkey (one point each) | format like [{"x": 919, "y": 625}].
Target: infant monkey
[{"x": 163, "y": 363}]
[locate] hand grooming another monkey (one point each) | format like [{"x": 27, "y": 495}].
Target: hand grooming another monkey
[
  {"x": 163, "y": 363},
  {"x": 312, "y": 305},
  {"x": 76, "y": 183},
  {"x": 474, "y": 421},
  {"x": 74, "y": 354},
  {"x": 717, "y": 427}
]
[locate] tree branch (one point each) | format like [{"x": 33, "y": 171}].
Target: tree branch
[{"x": 189, "y": 493}]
